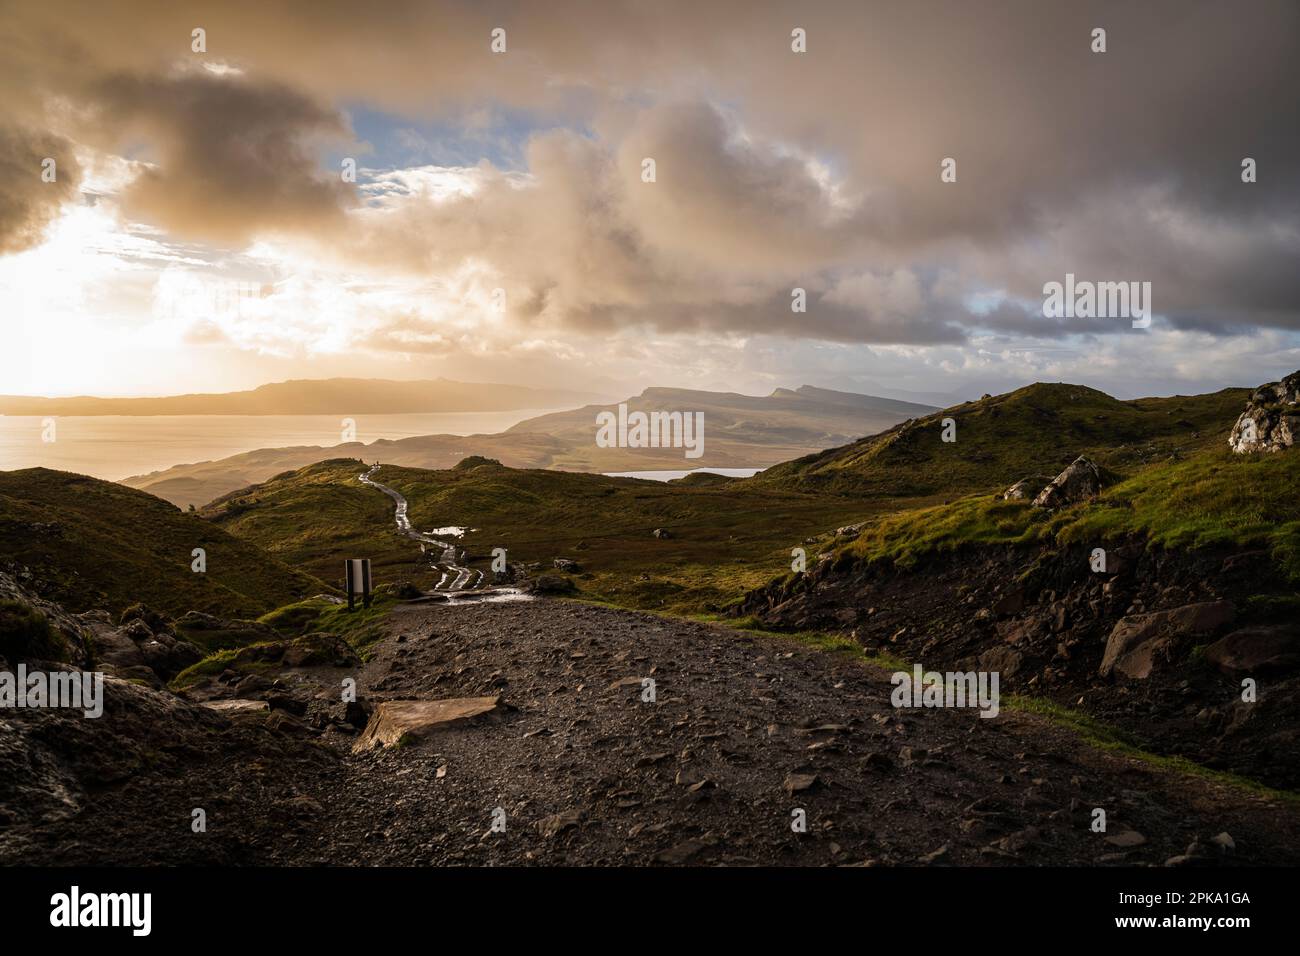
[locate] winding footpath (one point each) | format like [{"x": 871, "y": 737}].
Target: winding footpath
[{"x": 459, "y": 575}]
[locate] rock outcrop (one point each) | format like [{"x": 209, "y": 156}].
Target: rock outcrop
[
  {"x": 1029, "y": 488},
  {"x": 1271, "y": 420},
  {"x": 1256, "y": 650},
  {"x": 1141, "y": 642},
  {"x": 1082, "y": 479}
]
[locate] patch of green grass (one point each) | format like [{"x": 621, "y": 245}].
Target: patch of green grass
[
  {"x": 905, "y": 537},
  {"x": 243, "y": 658},
  {"x": 1107, "y": 738},
  {"x": 1002, "y": 438},
  {"x": 361, "y": 627},
  {"x": 1215, "y": 498}
]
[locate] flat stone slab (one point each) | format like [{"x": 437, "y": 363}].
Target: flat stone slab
[
  {"x": 397, "y": 721},
  {"x": 239, "y": 708}
]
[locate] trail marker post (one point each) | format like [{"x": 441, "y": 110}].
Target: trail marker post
[{"x": 358, "y": 575}]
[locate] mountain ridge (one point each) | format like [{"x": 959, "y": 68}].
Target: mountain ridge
[
  {"x": 340, "y": 395},
  {"x": 742, "y": 431}
]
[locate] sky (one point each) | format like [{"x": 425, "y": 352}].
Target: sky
[{"x": 200, "y": 233}]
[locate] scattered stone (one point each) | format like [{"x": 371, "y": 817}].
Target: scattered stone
[
  {"x": 236, "y": 709},
  {"x": 800, "y": 782},
  {"x": 934, "y": 857},
  {"x": 1126, "y": 839},
  {"x": 1224, "y": 843},
  {"x": 1027, "y": 488},
  {"x": 552, "y": 826}
]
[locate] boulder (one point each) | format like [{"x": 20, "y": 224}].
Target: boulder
[
  {"x": 661, "y": 533},
  {"x": 403, "y": 721},
  {"x": 1256, "y": 650},
  {"x": 320, "y": 649},
  {"x": 1082, "y": 479},
  {"x": 551, "y": 584},
  {"x": 126, "y": 648},
  {"x": 1271, "y": 420},
  {"x": 1027, "y": 488},
  {"x": 1140, "y": 642},
  {"x": 168, "y": 655},
  {"x": 1005, "y": 661}
]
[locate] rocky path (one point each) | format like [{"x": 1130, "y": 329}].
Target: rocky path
[
  {"x": 745, "y": 735},
  {"x": 454, "y": 577}
]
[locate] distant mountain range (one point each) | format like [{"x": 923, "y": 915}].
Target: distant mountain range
[
  {"x": 330, "y": 396},
  {"x": 741, "y": 431}
]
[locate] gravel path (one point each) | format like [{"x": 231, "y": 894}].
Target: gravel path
[
  {"x": 745, "y": 736},
  {"x": 744, "y": 731}
]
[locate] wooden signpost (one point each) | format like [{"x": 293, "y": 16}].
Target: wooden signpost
[{"x": 358, "y": 575}]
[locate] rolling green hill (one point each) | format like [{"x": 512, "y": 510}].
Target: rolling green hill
[
  {"x": 317, "y": 516},
  {"x": 999, "y": 439},
  {"x": 915, "y": 492},
  {"x": 1213, "y": 498},
  {"x": 725, "y": 535},
  {"x": 96, "y": 544}
]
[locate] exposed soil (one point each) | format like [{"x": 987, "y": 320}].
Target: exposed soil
[
  {"x": 1043, "y": 617},
  {"x": 743, "y": 731}
]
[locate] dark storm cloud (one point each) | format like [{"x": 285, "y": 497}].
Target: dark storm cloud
[
  {"x": 775, "y": 169},
  {"x": 27, "y": 201},
  {"x": 230, "y": 158}
]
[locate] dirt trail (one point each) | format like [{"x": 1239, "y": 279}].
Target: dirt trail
[{"x": 744, "y": 731}]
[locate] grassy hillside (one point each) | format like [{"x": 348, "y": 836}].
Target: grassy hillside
[
  {"x": 1171, "y": 480},
  {"x": 1212, "y": 498},
  {"x": 1039, "y": 428},
  {"x": 726, "y": 536},
  {"x": 92, "y": 543},
  {"x": 315, "y": 517}
]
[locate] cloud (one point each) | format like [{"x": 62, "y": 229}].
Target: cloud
[
  {"x": 773, "y": 169},
  {"x": 229, "y": 157},
  {"x": 27, "y": 202}
]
